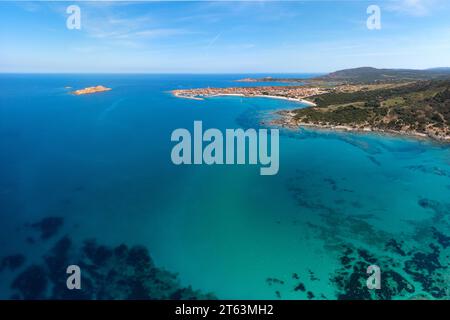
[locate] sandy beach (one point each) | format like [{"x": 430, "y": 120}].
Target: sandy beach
[{"x": 303, "y": 101}]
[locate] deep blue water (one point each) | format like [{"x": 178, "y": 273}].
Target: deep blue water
[{"x": 102, "y": 163}]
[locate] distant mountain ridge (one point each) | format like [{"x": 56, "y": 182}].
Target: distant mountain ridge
[{"x": 369, "y": 74}]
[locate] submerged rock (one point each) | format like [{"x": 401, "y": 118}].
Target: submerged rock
[
  {"x": 394, "y": 246},
  {"x": 12, "y": 262},
  {"x": 31, "y": 284},
  {"x": 106, "y": 273},
  {"x": 350, "y": 280},
  {"x": 48, "y": 227},
  {"x": 300, "y": 287}
]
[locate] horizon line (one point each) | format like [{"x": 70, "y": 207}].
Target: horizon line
[
  {"x": 144, "y": 73},
  {"x": 217, "y": 73}
]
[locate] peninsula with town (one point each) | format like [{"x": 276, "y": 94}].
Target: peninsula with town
[
  {"x": 393, "y": 101},
  {"x": 293, "y": 93}
]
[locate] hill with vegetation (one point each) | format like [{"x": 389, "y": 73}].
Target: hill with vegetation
[
  {"x": 369, "y": 75},
  {"x": 421, "y": 107},
  {"x": 364, "y": 75}
]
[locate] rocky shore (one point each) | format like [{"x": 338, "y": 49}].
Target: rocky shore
[{"x": 286, "y": 119}]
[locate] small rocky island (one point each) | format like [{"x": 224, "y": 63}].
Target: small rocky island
[{"x": 90, "y": 90}]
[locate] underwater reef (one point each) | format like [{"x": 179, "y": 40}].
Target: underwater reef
[
  {"x": 405, "y": 271},
  {"x": 48, "y": 227},
  {"x": 414, "y": 265},
  {"x": 119, "y": 272}
]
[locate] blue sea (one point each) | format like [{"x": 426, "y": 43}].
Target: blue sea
[{"x": 83, "y": 176}]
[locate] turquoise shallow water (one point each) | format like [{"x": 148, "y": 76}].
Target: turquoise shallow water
[{"x": 102, "y": 163}]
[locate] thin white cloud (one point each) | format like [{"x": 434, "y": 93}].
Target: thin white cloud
[
  {"x": 161, "y": 32},
  {"x": 29, "y": 6},
  {"x": 213, "y": 40},
  {"x": 416, "y": 8},
  {"x": 115, "y": 29}
]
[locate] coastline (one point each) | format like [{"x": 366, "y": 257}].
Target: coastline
[
  {"x": 286, "y": 117},
  {"x": 286, "y": 120},
  {"x": 186, "y": 96},
  {"x": 303, "y": 101}
]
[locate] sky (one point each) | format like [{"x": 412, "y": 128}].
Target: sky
[{"x": 222, "y": 36}]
